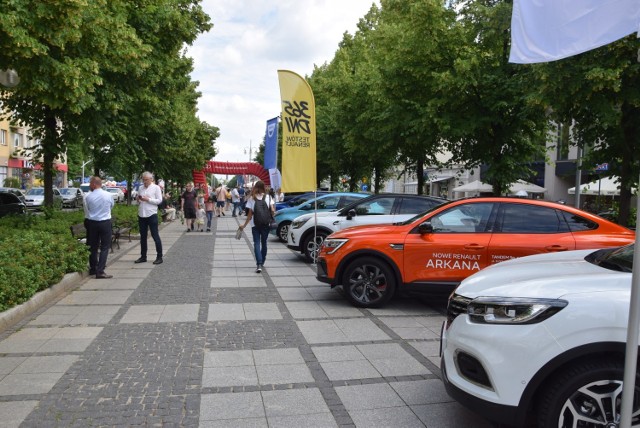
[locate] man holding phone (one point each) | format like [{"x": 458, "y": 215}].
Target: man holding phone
[{"x": 149, "y": 197}]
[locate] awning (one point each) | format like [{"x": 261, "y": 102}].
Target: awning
[
  {"x": 437, "y": 178},
  {"x": 15, "y": 163},
  {"x": 59, "y": 166}
]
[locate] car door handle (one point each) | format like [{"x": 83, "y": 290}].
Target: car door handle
[
  {"x": 337, "y": 222},
  {"x": 474, "y": 247},
  {"x": 556, "y": 248}
]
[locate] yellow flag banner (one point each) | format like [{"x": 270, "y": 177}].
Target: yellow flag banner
[{"x": 298, "y": 133}]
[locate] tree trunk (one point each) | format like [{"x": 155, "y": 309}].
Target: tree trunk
[
  {"x": 420, "y": 173},
  {"x": 48, "y": 156}
]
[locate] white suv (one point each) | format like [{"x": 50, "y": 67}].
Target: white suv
[
  {"x": 542, "y": 336},
  {"x": 376, "y": 209}
]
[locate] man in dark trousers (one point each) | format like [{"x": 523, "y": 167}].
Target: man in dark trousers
[
  {"x": 149, "y": 197},
  {"x": 98, "y": 208}
]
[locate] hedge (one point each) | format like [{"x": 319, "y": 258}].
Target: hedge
[{"x": 37, "y": 250}]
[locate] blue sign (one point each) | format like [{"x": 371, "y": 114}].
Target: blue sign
[
  {"x": 364, "y": 187},
  {"x": 602, "y": 167}
]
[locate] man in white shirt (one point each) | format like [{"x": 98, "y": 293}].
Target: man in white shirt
[
  {"x": 98, "y": 205},
  {"x": 149, "y": 197}
]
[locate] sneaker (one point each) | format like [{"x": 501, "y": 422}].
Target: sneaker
[
  {"x": 188, "y": 230},
  {"x": 141, "y": 260},
  {"x": 259, "y": 269},
  {"x": 208, "y": 230},
  {"x": 157, "y": 261}
]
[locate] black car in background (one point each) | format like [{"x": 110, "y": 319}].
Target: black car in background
[
  {"x": 18, "y": 192},
  {"x": 11, "y": 204}
]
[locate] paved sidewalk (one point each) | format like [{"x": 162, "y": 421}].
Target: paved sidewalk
[{"x": 202, "y": 340}]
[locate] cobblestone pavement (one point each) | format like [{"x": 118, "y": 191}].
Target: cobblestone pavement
[{"x": 202, "y": 340}]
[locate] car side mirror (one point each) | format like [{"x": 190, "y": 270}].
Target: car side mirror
[
  {"x": 351, "y": 214},
  {"x": 425, "y": 227}
]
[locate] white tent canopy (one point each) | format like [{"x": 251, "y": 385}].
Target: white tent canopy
[
  {"x": 607, "y": 186},
  {"x": 474, "y": 186},
  {"x": 521, "y": 185},
  {"x": 480, "y": 187}
]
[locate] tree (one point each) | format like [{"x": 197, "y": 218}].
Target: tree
[
  {"x": 486, "y": 103},
  {"x": 113, "y": 75},
  {"x": 59, "y": 49},
  {"x": 598, "y": 92}
]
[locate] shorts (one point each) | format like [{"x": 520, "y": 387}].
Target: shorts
[
  {"x": 189, "y": 212},
  {"x": 221, "y": 204}
]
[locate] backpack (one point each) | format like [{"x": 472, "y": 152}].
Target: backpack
[{"x": 261, "y": 212}]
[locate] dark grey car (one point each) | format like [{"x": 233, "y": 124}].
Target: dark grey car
[
  {"x": 71, "y": 197},
  {"x": 11, "y": 204},
  {"x": 18, "y": 192}
]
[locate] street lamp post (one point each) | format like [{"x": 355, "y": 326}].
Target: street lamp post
[
  {"x": 83, "y": 165},
  {"x": 250, "y": 150}
]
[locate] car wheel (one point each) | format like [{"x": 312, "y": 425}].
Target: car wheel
[
  {"x": 311, "y": 246},
  {"x": 587, "y": 394},
  {"x": 283, "y": 230},
  {"x": 368, "y": 282}
]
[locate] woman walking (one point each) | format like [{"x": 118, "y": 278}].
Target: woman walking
[
  {"x": 189, "y": 201},
  {"x": 260, "y": 209}
]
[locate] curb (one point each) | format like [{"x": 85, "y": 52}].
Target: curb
[{"x": 14, "y": 315}]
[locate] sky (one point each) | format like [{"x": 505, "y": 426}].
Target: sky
[{"x": 237, "y": 61}]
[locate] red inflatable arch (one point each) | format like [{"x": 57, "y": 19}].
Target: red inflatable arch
[{"x": 231, "y": 168}]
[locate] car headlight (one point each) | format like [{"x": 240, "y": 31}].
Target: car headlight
[
  {"x": 509, "y": 310},
  {"x": 332, "y": 245},
  {"x": 297, "y": 224}
]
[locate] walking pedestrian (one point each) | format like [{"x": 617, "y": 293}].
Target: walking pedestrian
[
  {"x": 221, "y": 199},
  {"x": 260, "y": 209},
  {"x": 149, "y": 197},
  {"x": 210, "y": 207},
  {"x": 243, "y": 201},
  {"x": 235, "y": 200},
  {"x": 200, "y": 216},
  {"x": 98, "y": 205},
  {"x": 189, "y": 201}
]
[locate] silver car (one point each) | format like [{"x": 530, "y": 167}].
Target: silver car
[
  {"x": 71, "y": 197},
  {"x": 35, "y": 198}
]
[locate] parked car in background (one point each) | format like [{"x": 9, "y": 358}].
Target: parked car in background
[
  {"x": 85, "y": 188},
  {"x": 72, "y": 197},
  {"x": 10, "y": 204},
  {"x": 35, "y": 198},
  {"x": 116, "y": 193},
  {"x": 324, "y": 202},
  {"x": 18, "y": 192},
  {"x": 299, "y": 199},
  {"x": 431, "y": 253},
  {"x": 542, "y": 336},
  {"x": 306, "y": 238}
]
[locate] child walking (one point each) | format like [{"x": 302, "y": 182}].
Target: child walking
[{"x": 200, "y": 215}]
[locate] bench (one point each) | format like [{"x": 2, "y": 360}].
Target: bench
[
  {"x": 79, "y": 232},
  {"x": 119, "y": 229}
]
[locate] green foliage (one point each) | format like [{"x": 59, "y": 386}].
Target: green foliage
[
  {"x": 37, "y": 254},
  {"x": 37, "y": 251},
  {"x": 12, "y": 182}
]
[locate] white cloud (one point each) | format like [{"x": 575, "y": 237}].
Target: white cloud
[{"x": 236, "y": 62}]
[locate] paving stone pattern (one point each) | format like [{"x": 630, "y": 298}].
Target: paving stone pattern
[{"x": 202, "y": 340}]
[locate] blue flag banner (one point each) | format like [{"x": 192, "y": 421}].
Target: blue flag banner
[
  {"x": 240, "y": 180},
  {"x": 271, "y": 144}
]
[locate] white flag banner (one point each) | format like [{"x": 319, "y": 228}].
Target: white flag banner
[{"x": 548, "y": 30}]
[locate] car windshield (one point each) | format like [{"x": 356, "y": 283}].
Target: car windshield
[
  {"x": 417, "y": 216},
  {"x": 112, "y": 190},
  {"x": 35, "y": 191},
  {"x": 619, "y": 259},
  {"x": 68, "y": 191}
]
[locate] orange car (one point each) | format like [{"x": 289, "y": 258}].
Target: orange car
[{"x": 433, "y": 252}]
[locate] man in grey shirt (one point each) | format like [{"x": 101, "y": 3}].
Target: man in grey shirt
[{"x": 98, "y": 208}]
